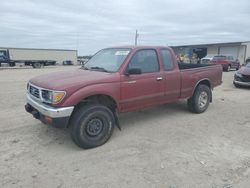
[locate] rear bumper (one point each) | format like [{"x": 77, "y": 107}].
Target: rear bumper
[{"x": 57, "y": 117}]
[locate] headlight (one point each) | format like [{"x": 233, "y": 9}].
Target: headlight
[
  {"x": 52, "y": 97},
  {"x": 238, "y": 74},
  {"x": 58, "y": 96}
]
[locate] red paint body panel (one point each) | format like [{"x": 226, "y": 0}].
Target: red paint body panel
[
  {"x": 191, "y": 77},
  {"x": 134, "y": 91},
  {"x": 226, "y": 62}
]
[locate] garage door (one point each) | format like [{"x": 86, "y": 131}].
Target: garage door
[{"x": 230, "y": 50}]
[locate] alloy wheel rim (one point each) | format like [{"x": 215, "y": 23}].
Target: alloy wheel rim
[{"x": 203, "y": 99}]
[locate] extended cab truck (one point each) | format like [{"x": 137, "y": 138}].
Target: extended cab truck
[{"x": 116, "y": 80}]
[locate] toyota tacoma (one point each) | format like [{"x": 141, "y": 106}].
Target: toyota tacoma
[{"x": 89, "y": 100}]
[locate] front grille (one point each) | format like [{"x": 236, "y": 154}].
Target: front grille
[
  {"x": 34, "y": 91},
  {"x": 245, "y": 78}
]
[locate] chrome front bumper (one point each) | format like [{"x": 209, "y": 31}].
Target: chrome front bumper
[
  {"x": 48, "y": 110},
  {"x": 242, "y": 83}
]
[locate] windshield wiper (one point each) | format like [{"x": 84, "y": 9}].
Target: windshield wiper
[
  {"x": 85, "y": 68},
  {"x": 99, "y": 68}
]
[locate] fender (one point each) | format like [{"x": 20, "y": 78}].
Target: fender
[
  {"x": 109, "y": 89},
  {"x": 204, "y": 80}
]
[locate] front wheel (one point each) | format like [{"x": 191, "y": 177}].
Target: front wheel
[
  {"x": 237, "y": 85},
  {"x": 200, "y": 100},
  {"x": 92, "y": 125}
]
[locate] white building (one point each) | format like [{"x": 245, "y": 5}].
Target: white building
[{"x": 240, "y": 50}]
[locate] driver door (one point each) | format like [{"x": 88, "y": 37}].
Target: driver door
[{"x": 145, "y": 89}]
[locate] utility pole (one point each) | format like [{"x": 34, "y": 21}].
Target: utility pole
[
  {"x": 136, "y": 37},
  {"x": 77, "y": 39}
]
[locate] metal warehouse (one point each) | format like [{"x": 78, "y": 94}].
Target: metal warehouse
[
  {"x": 239, "y": 50},
  {"x": 58, "y": 55}
]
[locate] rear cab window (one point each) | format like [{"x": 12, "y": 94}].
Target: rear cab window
[
  {"x": 230, "y": 58},
  {"x": 167, "y": 59},
  {"x": 219, "y": 58}
]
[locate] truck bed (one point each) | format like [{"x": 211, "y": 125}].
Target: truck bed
[
  {"x": 183, "y": 66},
  {"x": 190, "y": 73}
]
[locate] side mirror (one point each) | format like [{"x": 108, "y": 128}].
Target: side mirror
[{"x": 133, "y": 71}]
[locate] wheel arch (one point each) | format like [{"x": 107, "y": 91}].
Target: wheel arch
[
  {"x": 103, "y": 99},
  {"x": 206, "y": 82}
]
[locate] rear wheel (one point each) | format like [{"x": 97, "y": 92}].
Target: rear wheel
[
  {"x": 36, "y": 65},
  {"x": 200, "y": 100},
  {"x": 92, "y": 125},
  {"x": 12, "y": 64},
  {"x": 228, "y": 68}
]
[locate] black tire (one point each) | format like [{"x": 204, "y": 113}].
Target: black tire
[
  {"x": 228, "y": 68},
  {"x": 12, "y": 64},
  {"x": 200, "y": 100},
  {"x": 237, "y": 85},
  {"x": 36, "y": 65},
  {"x": 92, "y": 125}
]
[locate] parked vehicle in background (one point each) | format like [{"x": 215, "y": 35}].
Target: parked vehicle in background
[
  {"x": 83, "y": 59},
  {"x": 67, "y": 62},
  {"x": 117, "y": 80},
  {"x": 228, "y": 62},
  {"x": 248, "y": 60},
  {"x": 242, "y": 76},
  {"x": 5, "y": 58},
  {"x": 206, "y": 60}
]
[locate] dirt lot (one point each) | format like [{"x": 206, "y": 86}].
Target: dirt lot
[{"x": 160, "y": 147}]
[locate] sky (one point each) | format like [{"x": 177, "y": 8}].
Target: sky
[{"x": 95, "y": 24}]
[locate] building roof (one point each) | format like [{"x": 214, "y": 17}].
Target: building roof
[
  {"x": 211, "y": 44},
  {"x": 47, "y": 49}
]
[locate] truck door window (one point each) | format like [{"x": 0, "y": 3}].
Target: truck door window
[
  {"x": 146, "y": 60},
  {"x": 167, "y": 59}
]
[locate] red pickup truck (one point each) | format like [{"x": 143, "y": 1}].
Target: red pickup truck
[
  {"x": 226, "y": 61},
  {"x": 115, "y": 80}
]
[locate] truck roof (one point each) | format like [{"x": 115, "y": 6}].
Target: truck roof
[{"x": 139, "y": 47}]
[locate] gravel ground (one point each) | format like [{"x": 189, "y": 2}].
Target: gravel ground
[{"x": 165, "y": 146}]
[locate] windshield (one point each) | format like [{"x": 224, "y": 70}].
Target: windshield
[
  {"x": 248, "y": 65},
  {"x": 107, "y": 60}
]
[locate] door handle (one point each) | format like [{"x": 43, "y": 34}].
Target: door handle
[
  {"x": 131, "y": 82},
  {"x": 159, "y": 78}
]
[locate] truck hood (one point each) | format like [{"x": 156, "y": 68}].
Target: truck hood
[
  {"x": 73, "y": 80},
  {"x": 244, "y": 70}
]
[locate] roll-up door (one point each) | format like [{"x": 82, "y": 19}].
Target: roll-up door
[{"x": 230, "y": 50}]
